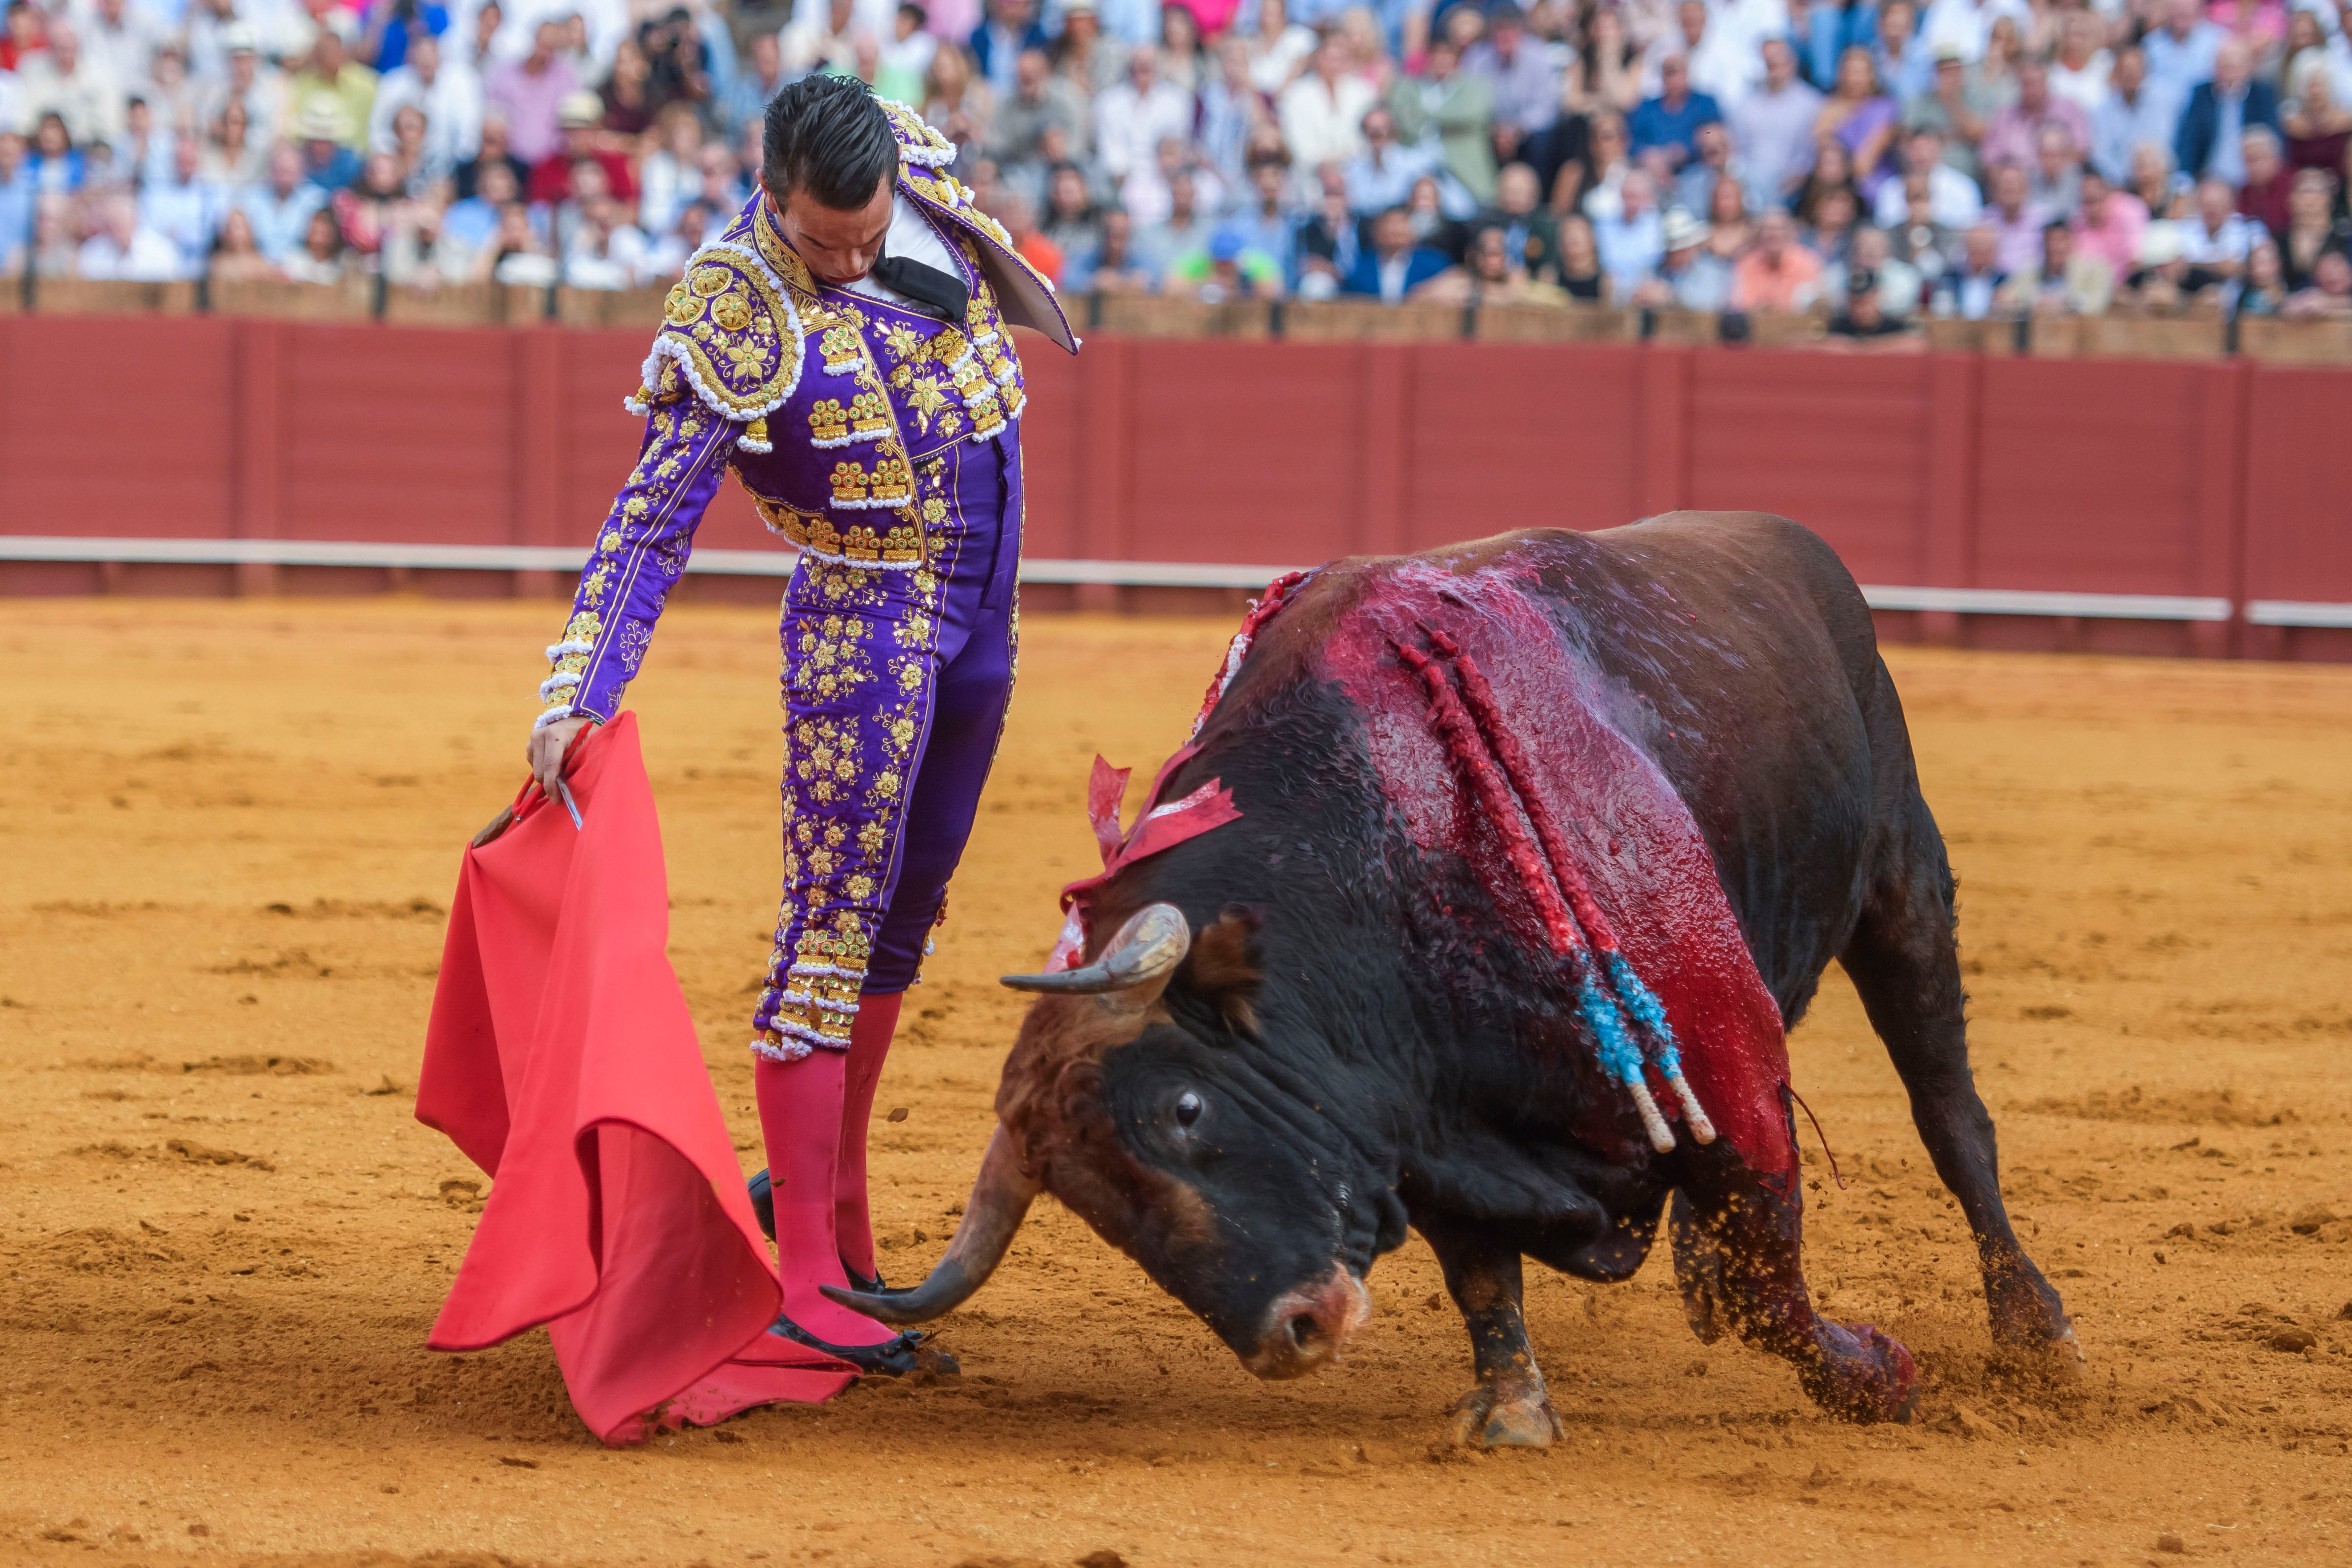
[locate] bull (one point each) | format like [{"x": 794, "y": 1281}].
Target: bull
[{"x": 1332, "y": 1019}]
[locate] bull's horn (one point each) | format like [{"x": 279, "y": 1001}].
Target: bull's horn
[
  {"x": 1147, "y": 950},
  {"x": 1001, "y": 1196}
]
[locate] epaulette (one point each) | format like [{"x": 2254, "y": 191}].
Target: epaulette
[
  {"x": 920, "y": 142},
  {"x": 730, "y": 333}
]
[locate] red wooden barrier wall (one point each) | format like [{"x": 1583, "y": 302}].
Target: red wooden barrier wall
[{"x": 2218, "y": 479}]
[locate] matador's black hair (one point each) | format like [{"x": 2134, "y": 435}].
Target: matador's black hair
[{"x": 827, "y": 135}]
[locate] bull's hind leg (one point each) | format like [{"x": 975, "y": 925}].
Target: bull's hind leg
[
  {"x": 1510, "y": 1408},
  {"x": 1736, "y": 1245},
  {"x": 1904, "y": 959}
]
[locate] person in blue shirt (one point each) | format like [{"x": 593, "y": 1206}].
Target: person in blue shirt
[
  {"x": 319, "y": 130},
  {"x": 1669, "y": 122},
  {"x": 54, "y": 165},
  {"x": 279, "y": 211},
  {"x": 391, "y": 25},
  {"x": 2218, "y": 114},
  {"x": 1393, "y": 265},
  {"x": 1265, "y": 223},
  {"x": 1007, "y": 29}
]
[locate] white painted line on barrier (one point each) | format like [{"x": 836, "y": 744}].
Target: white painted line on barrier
[
  {"x": 2027, "y": 601},
  {"x": 779, "y": 562},
  {"x": 2297, "y": 613}
]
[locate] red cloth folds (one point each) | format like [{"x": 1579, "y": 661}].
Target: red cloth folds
[{"x": 560, "y": 1059}]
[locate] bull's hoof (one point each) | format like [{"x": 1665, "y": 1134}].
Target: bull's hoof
[
  {"x": 1498, "y": 1417},
  {"x": 1864, "y": 1375}
]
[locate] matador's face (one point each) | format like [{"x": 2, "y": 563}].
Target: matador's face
[{"x": 840, "y": 246}]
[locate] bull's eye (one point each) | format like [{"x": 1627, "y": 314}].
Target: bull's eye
[{"x": 1188, "y": 1108}]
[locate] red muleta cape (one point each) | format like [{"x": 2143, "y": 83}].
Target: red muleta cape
[{"x": 561, "y": 1059}]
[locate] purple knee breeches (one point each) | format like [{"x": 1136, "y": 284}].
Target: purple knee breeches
[{"x": 895, "y": 684}]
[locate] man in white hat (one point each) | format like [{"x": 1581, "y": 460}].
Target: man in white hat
[
  {"x": 331, "y": 70},
  {"x": 245, "y": 78},
  {"x": 1690, "y": 277},
  {"x": 323, "y": 130}
]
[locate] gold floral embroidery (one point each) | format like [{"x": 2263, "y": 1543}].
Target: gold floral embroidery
[
  {"x": 926, "y": 398},
  {"x": 850, "y": 482}
]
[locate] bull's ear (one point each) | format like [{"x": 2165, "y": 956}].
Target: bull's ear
[{"x": 1225, "y": 970}]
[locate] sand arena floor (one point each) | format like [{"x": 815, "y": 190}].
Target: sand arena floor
[{"x": 231, "y": 832}]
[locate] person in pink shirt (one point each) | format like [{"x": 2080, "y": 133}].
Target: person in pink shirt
[
  {"x": 527, "y": 92},
  {"x": 2013, "y": 133},
  {"x": 2017, "y": 218},
  {"x": 2110, "y": 224},
  {"x": 1780, "y": 274}
]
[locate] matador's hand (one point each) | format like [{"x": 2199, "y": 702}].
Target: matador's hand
[{"x": 547, "y": 747}]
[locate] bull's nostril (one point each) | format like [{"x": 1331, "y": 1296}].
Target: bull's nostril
[{"x": 1305, "y": 1331}]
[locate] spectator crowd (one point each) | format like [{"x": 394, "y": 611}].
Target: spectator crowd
[{"x": 1875, "y": 160}]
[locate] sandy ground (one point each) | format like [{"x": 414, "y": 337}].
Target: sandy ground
[{"x": 231, "y": 831}]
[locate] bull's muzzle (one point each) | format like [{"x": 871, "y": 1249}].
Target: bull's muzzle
[{"x": 1311, "y": 1327}]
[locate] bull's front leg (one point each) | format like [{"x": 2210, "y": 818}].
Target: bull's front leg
[
  {"x": 1736, "y": 1246},
  {"x": 1510, "y": 1408}
]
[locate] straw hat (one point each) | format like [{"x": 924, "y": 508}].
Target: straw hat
[
  {"x": 1682, "y": 231},
  {"x": 322, "y": 118}
]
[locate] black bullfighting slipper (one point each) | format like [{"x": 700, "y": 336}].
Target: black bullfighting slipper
[
  {"x": 763, "y": 1205},
  {"x": 894, "y": 1357}
]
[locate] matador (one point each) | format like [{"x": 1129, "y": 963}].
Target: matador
[{"x": 844, "y": 348}]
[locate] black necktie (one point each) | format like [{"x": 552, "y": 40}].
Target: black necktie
[{"x": 935, "y": 293}]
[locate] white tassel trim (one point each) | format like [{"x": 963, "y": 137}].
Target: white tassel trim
[
  {"x": 936, "y": 151},
  {"x": 553, "y": 716},
  {"x": 872, "y": 506},
  {"x": 635, "y": 404},
  {"x": 830, "y": 560},
  {"x": 558, "y": 683},
  {"x": 745, "y": 444},
  {"x": 557, "y": 650},
  {"x": 823, "y": 1004},
  {"x": 827, "y": 970},
  {"x": 783, "y": 1051},
  {"x": 827, "y": 445}
]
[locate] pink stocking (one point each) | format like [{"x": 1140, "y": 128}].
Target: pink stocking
[
  {"x": 869, "y": 1045},
  {"x": 800, "y": 1117}
]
